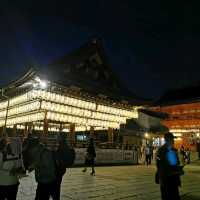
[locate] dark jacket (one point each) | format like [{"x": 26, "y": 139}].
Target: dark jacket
[
  {"x": 90, "y": 156},
  {"x": 198, "y": 147},
  {"x": 91, "y": 151},
  {"x": 165, "y": 171},
  {"x": 45, "y": 171},
  {"x": 64, "y": 157}
]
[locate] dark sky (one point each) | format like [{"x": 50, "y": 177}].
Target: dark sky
[{"x": 151, "y": 45}]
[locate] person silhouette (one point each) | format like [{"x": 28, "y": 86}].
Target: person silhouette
[
  {"x": 90, "y": 156},
  {"x": 168, "y": 169}
]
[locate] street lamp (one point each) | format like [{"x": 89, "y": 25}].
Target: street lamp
[
  {"x": 146, "y": 135},
  {"x": 43, "y": 84},
  {"x": 40, "y": 83}
]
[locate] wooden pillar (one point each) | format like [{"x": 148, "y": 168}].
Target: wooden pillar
[
  {"x": 61, "y": 127},
  {"x": 25, "y": 130},
  {"x": 118, "y": 137},
  {"x": 45, "y": 125},
  {"x": 1, "y": 131},
  {"x": 110, "y": 135},
  {"x": 72, "y": 133},
  {"x": 14, "y": 130},
  {"x": 30, "y": 128},
  {"x": 91, "y": 132}
]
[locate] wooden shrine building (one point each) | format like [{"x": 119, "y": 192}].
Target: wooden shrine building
[
  {"x": 77, "y": 92},
  {"x": 183, "y": 109}
]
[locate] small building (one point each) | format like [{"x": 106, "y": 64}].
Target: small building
[{"x": 147, "y": 128}]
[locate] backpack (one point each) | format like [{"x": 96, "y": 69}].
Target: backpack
[
  {"x": 69, "y": 157},
  {"x": 64, "y": 158},
  {"x": 45, "y": 169}
]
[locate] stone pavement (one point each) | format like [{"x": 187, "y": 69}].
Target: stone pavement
[{"x": 116, "y": 183}]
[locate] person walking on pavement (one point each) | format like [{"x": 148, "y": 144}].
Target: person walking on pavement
[
  {"x": 183, "y": 154},
  {"x": 188, "y": 152},
  {"x": 198, "y": 149},
  {"x": 142, "y": 154},
  {"x": 90, "y": 157},
  {"x": 148, "y": 154},
  {"x": 168, "y": 169}
]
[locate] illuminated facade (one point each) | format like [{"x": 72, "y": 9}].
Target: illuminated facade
[
  {"x": 65, "y": 103},
  {"x": 183, "y": 109},
  {"x": 37, "y": 105}
]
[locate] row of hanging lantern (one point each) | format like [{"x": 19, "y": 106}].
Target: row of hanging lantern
[
  {"x": 184, "y": 130},
  {"x": 81, "y": 112},
  {"x": 3, "y": 105},
  {"x": 16, "y": 100},
  {"x": 42, "y": 94},
  {"x": 24, "y": 108},
  {"x": 55, "y": 128},
  {"x": 25, "y": 118},
  {"x": 63, "y": 99},
  {"x": 54, "y": 116},
  {"x": 32, "y": 106},
  {"x": 83, "y": 104},
  {"x": 63, "y": 109},
  {"x": 80, "y": 120},
  {"x": 2, "y": 114},
  {"x": 21, "y": 109},
  {"x": 117, "y": 111}
]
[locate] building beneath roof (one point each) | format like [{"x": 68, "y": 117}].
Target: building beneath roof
[
  {"x": 74, "y": 93},
  {"x": 146, "y": 129},
  {"x": 183, "y": 109}
]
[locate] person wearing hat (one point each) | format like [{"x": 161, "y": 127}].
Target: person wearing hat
[{"x": 168, "y": 169}]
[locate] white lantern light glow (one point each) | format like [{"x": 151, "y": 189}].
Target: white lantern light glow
[{"x": 62, "y": 109}]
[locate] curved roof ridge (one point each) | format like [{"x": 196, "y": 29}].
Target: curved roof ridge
[{"x": 26, "y": 76}]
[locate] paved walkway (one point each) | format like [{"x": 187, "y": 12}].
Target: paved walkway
[{"x": 116, "y": 183}]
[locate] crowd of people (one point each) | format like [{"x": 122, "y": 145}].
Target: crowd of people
[
  {"x": 169, "y": 167},
  {"x": 50, "y": 165},
  {"x": 147, "y": 154}
]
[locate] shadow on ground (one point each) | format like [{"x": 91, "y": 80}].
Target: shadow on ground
[{"x": 190, "y": 197}]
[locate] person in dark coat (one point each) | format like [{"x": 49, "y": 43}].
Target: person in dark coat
[
  {"x": 183, "y": 154},
  {"x": 60, "y": 165},
  {"x": 90, "y": 157},
  {"x": 168, "y": 169},
  {"x": 148, "y": 154},
  {"x": 198, "y": 149},
  {"x": 42, "y": 161},
  {"x": 187, "y": 153}
]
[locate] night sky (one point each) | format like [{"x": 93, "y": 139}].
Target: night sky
[{"x": 151, "y": 46}]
